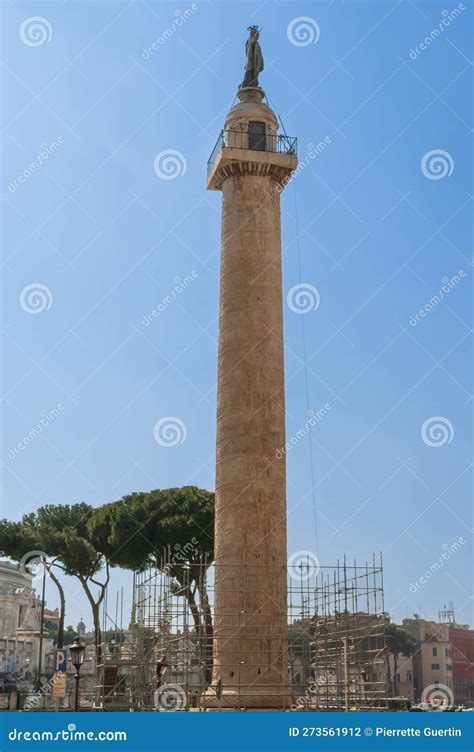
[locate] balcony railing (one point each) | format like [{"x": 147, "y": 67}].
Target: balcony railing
[{"x": 278, "y": 144}]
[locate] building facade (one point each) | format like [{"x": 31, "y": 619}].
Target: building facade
[
  {"x": 20, "y": 641},
  {"x": 404, "y": 675},
  {"x": 432, "y": 660},
  {"x": 461, "y": 639}
]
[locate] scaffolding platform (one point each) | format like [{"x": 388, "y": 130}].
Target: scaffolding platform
[{"x": 336, "y": 650}]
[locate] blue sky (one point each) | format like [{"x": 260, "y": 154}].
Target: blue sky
[{"x": 108, "y": 238}]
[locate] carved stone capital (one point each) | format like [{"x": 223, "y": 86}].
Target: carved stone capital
[{"x": 242, "y": 162}]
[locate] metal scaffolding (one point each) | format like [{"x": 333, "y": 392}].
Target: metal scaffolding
[
  {"x": 336, "y": 651},
  {"x": 343, "y": 639}
]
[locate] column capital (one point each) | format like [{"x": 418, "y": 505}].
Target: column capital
[{"x": 233, "y": 162}]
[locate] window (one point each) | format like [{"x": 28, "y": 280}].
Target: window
[
  {"x": 409, "y": 677},
  {"x": 447, "y": 653},
  {"x": 435, "y": 652},
  {"x": 435, "y": 666},
  {"x": 257, "y": 138}
]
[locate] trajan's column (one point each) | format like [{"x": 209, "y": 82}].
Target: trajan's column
[{"x": 250, "y": 165}]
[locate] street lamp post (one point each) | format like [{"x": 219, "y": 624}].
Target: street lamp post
[
  {"x": 40, "y": 649},
  {"x": 76, "y": 654}
]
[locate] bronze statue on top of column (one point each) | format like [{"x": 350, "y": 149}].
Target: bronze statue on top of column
[{"x": 254, "y": 65}]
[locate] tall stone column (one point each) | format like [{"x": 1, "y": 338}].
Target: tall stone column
[{"x": 250, "y": 609}]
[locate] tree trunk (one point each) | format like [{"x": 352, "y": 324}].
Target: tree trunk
[
  {"x": 95, "y": 606},
  {"x": 389, "y": 676},
  {"x": 203, "y": 623},
  {"x": 62, "y": 610},
  {"x": 97, "y": 632},
  {"x": 208, "y": 633},
  {"x": 395, "y": 669}
]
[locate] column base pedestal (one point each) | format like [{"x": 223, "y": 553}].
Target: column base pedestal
[{"x": 247, "y": 701}]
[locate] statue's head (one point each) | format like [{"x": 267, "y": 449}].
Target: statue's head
[{"x": 254, "y": 31}]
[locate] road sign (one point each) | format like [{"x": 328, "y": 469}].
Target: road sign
[
  {"x": 59, "y": 685},
  {"x": 60, "y": 661}
]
